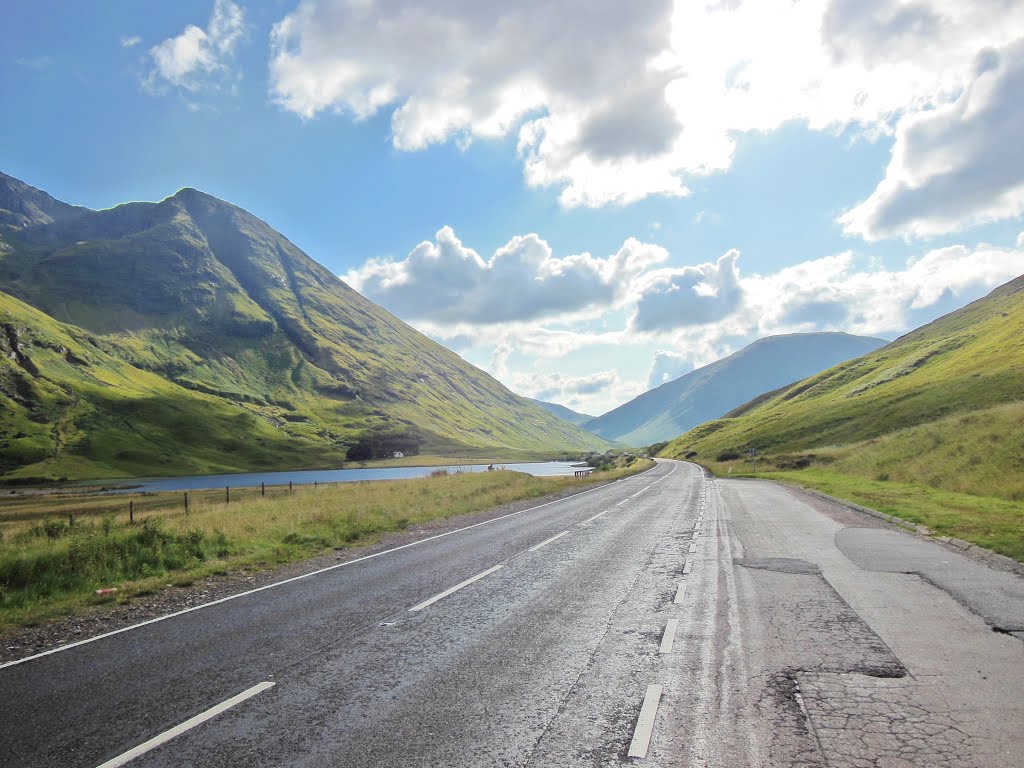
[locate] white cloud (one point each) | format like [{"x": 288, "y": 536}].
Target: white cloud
[
  {"x": 612, "y": 102},
  {"x": 130, "y": 41},
  {"x": 673, "y": 298},
  {"x": 837, "y": 293},
  {"x": 956, "y": 165},
  {"x": 445, "y": 281},
  {"x": 687, "y": 317},
  {"x": 195, "y": 56},
  {"x": 592, "y": 393}
]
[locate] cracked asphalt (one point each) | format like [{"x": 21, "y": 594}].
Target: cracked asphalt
[{"x": 804, "y": 634}]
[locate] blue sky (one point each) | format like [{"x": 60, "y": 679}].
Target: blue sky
[{"x": 584, "y": 198}]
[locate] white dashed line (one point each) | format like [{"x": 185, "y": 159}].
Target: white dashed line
[
  {"x": 645, "y": 723},
  {"x": 456, "y": 588},
  {"x": 669, "y": 638},
  {"x": 693, "y": 548},
  {"x": 680, "y": 593},
  {"x": 544, "y": 543},
  {"x": 189, "y": 724},
  {"x": 329, "y": 568},
  {"x": 687, "y": 567},
  {"x": 595, "y": 517}
]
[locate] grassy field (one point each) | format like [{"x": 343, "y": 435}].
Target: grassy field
[
  {"x": 961, "y": 476},
  {"x": 51, "y": 567},
  {"x": 929, "y": 428},
  {"x": 188, "y": 337},
  {"x": 989, "y": 522}
]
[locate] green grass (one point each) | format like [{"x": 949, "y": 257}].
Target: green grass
[
  {"x": 993, "y": 523},
  {"x": 929, "y": 428},
  {"x": 970, "y": 360},
  {"x": 148, "y": 325},
  {"x": 50, "y": 567}
]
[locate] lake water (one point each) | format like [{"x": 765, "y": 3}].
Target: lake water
[{"x": 308, "y": 477}]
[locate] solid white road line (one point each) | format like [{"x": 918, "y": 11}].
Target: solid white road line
[
  {"x": 188, "y": 725},
  {"x": 346, "y": 564},
  {"x": 645, "y": 723},
  {"x": 456, "y": 588},
  {"x": 544, "y": 543},
  {"x": 680, "y": 593},
  {"x": 669, "y": 638}
]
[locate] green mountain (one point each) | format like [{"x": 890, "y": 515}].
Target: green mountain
[
  {"x": 960, "y": 372},
  {"x": 562, "y": 412},
  {"x": 665, "y": 412},
  {"x": 189, "y": 336}
]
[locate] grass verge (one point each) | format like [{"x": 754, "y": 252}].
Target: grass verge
[
  {"x": 993, "y": 523},
  {"x": 50, "y": 567}
]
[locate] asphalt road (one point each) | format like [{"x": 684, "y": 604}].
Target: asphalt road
[{"x": 667, "y": 619}]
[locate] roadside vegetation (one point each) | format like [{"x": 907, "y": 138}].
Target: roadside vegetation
[
  {"x": 51, "y": 565},
  {"x": 929, "y": 428}
]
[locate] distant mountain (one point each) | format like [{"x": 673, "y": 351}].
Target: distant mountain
[
  {"x": 671, "y": 409},
  {"x": 562, "y": 412},
  {"x": 188, "y": 335},
  {"x": 967, "y": 365}
]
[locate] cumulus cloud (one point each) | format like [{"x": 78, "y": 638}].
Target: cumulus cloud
[
  {"x": 592, "y": 393},
  {"x": 686, "y": 317},
  {"x": 612, "y": 102},
  {"x": 840, "y": 293},
  {"x": 130, "y": 41},
  {"x": 956, "y": 165},
  {"x": 674, "y": 298},
  {"x": 445, "y": 281},
  {"x": 191, "y": 59},
  {"x": 557, "y": 387}
]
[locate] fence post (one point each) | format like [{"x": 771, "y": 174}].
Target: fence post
[
  {"x": 131, "y": 513},
  {"x": 71, "y": 519},
  {"x": 186, "y": 502},
  {"x": 314, "y": 485},
  {"x": 263, "y": 489},
  {"x": 289, "y": 486},
  {"x": 227, "y": 494}
]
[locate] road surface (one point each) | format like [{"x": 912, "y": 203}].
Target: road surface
[{"x": 665, "y": 620}]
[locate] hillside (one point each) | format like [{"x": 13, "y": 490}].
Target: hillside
[
  {"x": 562, "y": 412},
  {"x": 929, "y": 428},
  {"x": 194, "y": 306},
  {"x": 667, "y": 411},
  {"x": 968, "y": 360}
]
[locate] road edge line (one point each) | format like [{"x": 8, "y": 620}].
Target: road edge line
[{"x": 77, "y": 643}]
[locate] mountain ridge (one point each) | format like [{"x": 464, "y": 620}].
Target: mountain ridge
[
  {"x": 209, "y": 297},
  {"x": 666, "y": 411},
  {"x": 969, "y": 359}
]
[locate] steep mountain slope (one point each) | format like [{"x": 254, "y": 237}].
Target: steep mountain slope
[
  {"x": 968, "y": 361},
  {"x": 667, "y": 411},
  {"x": 209, "y": 300},
  {"x": 562, "y": 412}
]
